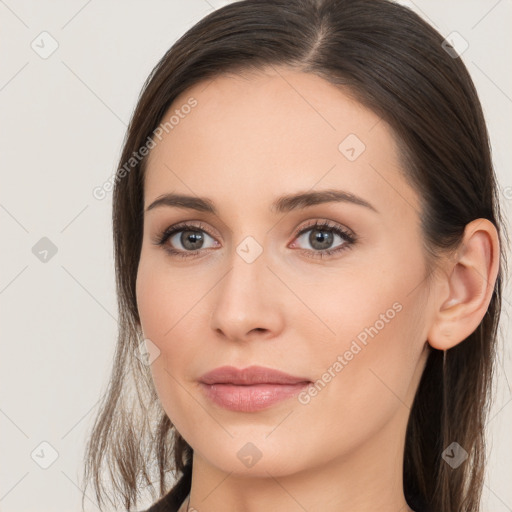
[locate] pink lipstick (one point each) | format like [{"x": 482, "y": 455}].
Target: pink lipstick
[{"x": 250, "y": 389}]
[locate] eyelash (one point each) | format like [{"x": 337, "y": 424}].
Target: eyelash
[{"x": 348, "y": 237}]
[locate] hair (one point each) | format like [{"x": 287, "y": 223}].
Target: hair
[{"x": 392, "y": 62}]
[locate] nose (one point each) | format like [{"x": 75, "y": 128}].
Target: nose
[{"x": 247, "y": 302}]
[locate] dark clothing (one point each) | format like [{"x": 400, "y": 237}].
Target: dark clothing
[
  {"x": 172, "y": 501},
  {"x": 166, "y": 504}
]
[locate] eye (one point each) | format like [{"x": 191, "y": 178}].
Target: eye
[
  {"x": 322, "y": 235},
  {"x": 190, "y": 237}
]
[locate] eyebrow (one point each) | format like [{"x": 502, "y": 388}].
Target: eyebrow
[{"x": 282, "y": 204}]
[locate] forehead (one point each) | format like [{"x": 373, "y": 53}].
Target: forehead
[{"x": 273, "y": 129}]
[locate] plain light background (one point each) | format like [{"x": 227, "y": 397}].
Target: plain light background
[{"x": 63, "y": 119}]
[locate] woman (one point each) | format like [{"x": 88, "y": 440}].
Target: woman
[{"x": 309, "y": 259}]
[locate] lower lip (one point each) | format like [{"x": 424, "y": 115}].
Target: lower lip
[{"x": 250, "y": 398}]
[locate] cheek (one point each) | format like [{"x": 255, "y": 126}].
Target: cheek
[
  {"x": 369, "y": 302},
  {"x": 364, "y": 376},
  {"x": 168, "y": 306},
  {"x": 166, "y": 297},
  {"x": 377, "y": 331}
]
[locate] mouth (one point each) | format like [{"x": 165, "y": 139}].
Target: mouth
[{"x": 251, "y": 389}]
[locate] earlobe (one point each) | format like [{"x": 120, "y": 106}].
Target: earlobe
[{"x": 467, "y": 286}]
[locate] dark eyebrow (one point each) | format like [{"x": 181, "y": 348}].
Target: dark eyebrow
[
  {"x": 283, "y": 204},
  {"x": 305, "y": 199}
]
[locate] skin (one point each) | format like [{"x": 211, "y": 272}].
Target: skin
[{"x": 250, "y": 139}]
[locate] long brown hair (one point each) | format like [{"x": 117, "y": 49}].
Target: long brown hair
[{"x": 394, "y": 63}]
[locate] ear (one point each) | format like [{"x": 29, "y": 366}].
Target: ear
[{"x": 466, "y": 288}]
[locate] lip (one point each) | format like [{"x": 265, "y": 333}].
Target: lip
[{"x": 250, "y": 389}]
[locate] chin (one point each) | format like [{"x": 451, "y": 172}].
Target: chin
[{"x": 252, "y": 457}]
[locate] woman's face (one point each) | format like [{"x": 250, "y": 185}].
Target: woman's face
[{"x": 255, "y": 291}]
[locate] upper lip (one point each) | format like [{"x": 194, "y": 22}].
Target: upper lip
[{"x": 249, "y": 375}]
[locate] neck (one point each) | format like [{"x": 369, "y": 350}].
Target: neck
[{"x": 368, "y": 478}]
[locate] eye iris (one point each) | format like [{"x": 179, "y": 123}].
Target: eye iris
[
  {"x": 324, "y": 238},
  {"x": 192, "y": 237}
]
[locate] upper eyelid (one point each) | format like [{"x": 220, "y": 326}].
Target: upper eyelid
[
  {"x": 326, "y": 224},
  {"x": 319, "y": 222}
]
